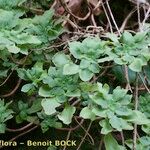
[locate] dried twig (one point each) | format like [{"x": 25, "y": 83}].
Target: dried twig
[
  {"x": 92, "y": 140},
  {"x": 72, "y": 129},
  {"x": 122, "y": 138},
  {"x": 19, "y": 129},
  {"x": 13, "y": 91},
  {"x": 126, "y": 20},
  {"x": 63, "y": 3},
  {"x": 128, "y": 86},
  {"x": 144, "y": 83},
  {"x": 101, "y": 143},
  {"x": 138, "y": 11},
  {"x": 7, "y": 78},
  {"x": 136, "y": 107},
  {"x": 146, "y": 17},
  {"x": 21, "y": 134},
  {"x": 68, "y": 136},
  {"x": 113, "y": 19},
  {"x": 111, "y": 29},
  {"x": 84, "y": 136}
]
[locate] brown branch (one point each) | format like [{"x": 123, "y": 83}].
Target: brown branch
[
  {"x": 13, "y": 91},
  {"x": 101, "y": 143},
  {"x": 19, "y": 62},
  {"x": 6, "y": 78},
  {"x": 84, "y": 136},
  {"x": 21, "y": 134},
  {"x": 122, "y": 138},
  {"x": 128, "y": 86},
  {"x": 19, "y": 129},
  {"x": 144, "y": 83},
  {"x": 109, "y": 22},
  {"x": 85, "y": 131},
  {"x": 72, "y": 129},
  {"x": 146, "y": 16},
  {"x": 63, "y": 3},
  {"x": 68, "y": 136},
  {"x": 136, "y": 107},
  {"x": 126, "y": 20},
  {"x": 113, "y": 19}
]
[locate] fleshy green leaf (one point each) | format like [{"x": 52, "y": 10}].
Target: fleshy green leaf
[
  {"x": 84, "y": 64},
  {"x": 13, "y": 49},
  {"x": 123, "y": 111},
  {"x": 136, "y": 65},
  {"x": 127, "y": 38},
  {"x": 45, "y": 91},
  {"x": 93, "y": 67},
  {"x": 70, "y": 69},
  {"x": 99, "y": 100},
  {"x": 119, "y": 93},
  {"x": 36, "y": 106},
  {"x": 60, "y": 59},
  {"x": 106, "y": 127},
  {"x": 113, "y": 37},
  {"x": 146, "y": 128},
  {"x": 138, "y": 118},
  {"x": 119, "y": 123},
  {"x": 75, "y": 93},
  {"x": 27, "y": 87},
  {"x": 111, "y": 143},
  {"x": 100, "y": 112},
  {"x": 139, "y": 36},
  {"x": 74, "y": 48},
  {"x": 49, "y": 105},
  {"x": 87, "y": 113},
  {"x": 102, "y": 60},
  {"x": 67, "y": 114},
  {"x": 85, "y": 74}
]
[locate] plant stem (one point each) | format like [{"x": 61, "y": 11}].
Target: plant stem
[
  {"x": 84, "y": 136},
  {"x": 136, "y": 107}
]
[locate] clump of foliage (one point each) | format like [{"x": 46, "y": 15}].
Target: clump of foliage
[
  {"x": 5, "y": 115},
  {"x": 102, "y": 80}
]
